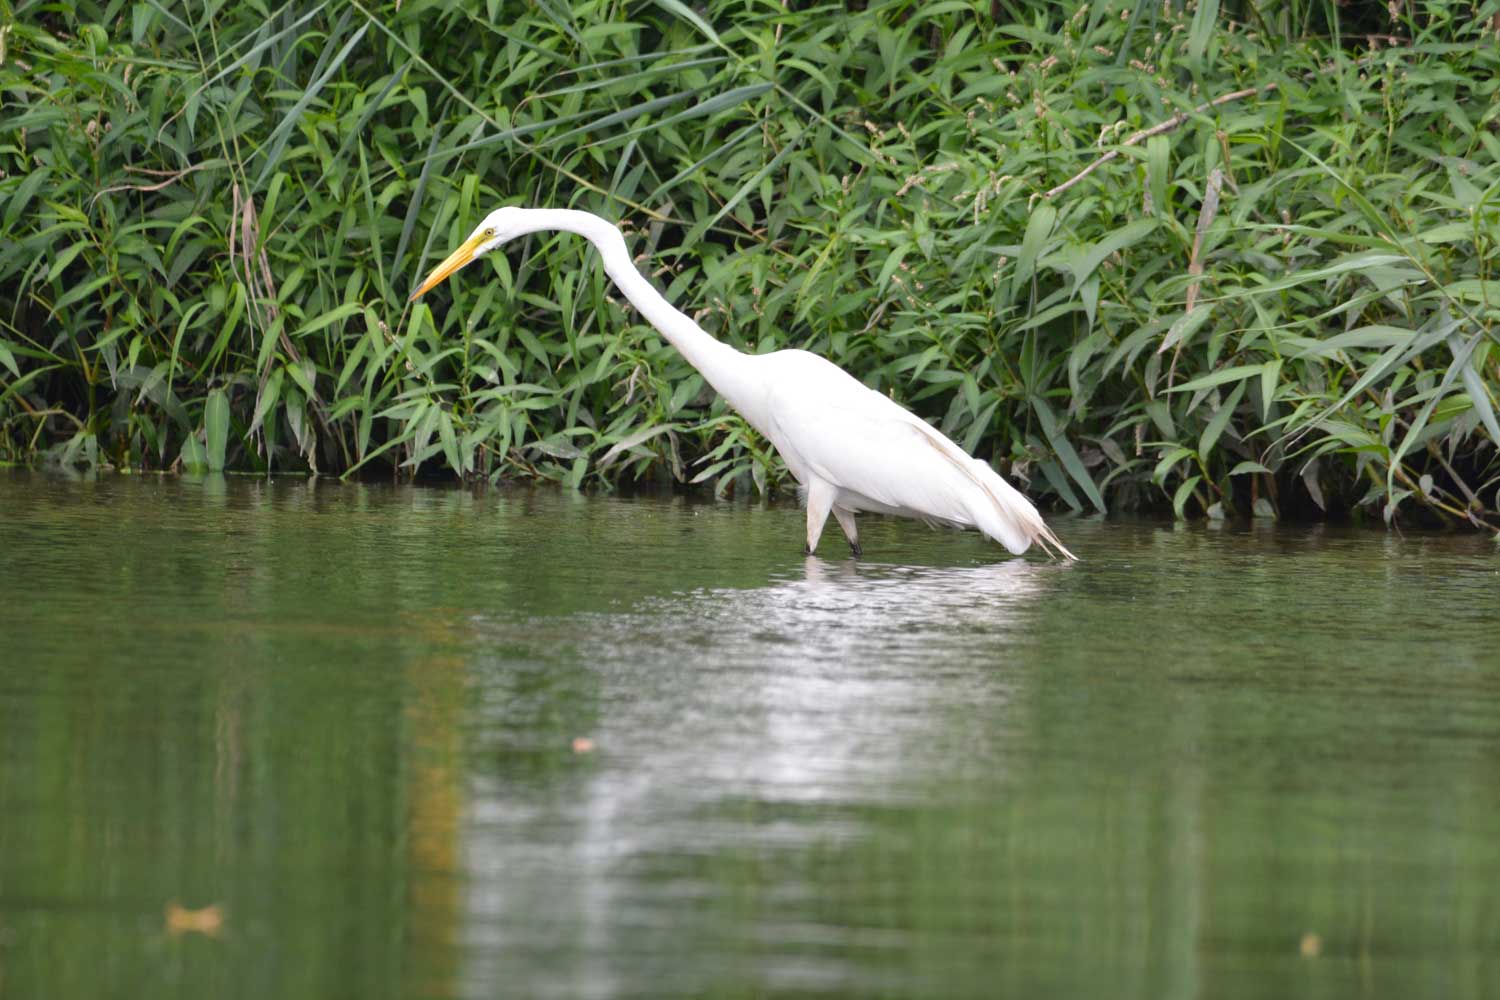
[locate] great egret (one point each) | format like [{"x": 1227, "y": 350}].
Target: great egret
[{"x": 849, "y": 447}]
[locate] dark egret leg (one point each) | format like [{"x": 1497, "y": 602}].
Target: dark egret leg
[
  {"x": 819, "y": 503},
  {"x": 851, "y": 530}
]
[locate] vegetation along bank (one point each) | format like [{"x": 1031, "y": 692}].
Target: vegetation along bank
[{"x": 1227, "y": 259}]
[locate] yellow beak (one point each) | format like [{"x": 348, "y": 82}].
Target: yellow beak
[{"x": 457, "y": 259}]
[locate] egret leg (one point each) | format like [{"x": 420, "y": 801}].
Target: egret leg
[
  {"x": 819, "y": 503},
  {"x": 851, "y": 530}
]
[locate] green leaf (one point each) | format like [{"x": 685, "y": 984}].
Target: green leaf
[
  {"x": 1236, "y": 374},
  {"x": 1180, "y": 498},
  {"x": 450, "y": 444},
  {"x": 267, "y": 398},
  {"x": 1462, "y": 351},
  {"x": 1205, "y": 19},
  {"x": 1479, "y": 392},
  {"x": 1122, "y": 238},
  {"x": 1474, "y": 290},
  {"x": 1038, "y": 228},
  {"x": 1398, "y": 355},
  {"x": 1185, "y": 326},
  {"x": 1158, "y": 170},
  {"x": 1218, "y": 422},
  {"x": 278, "y": 139},
  {"x": 24, "y": 192},
  {"x": 681, "y": 10},
  {"x": 216, "y": 428},
  {"x": 1168, "y": 461},
  {"x": 193, "y": 457},
  {"x": 327, "y": 319},
  {"x": 9, "y": 359},
  {"x": 1365, "y": 337},
  {"x": 1344, "y": 265},
  {"x": 1270, "y": 373},
  {"x": 1067, "y": 455},
  {"x": 892, "y": 262}
]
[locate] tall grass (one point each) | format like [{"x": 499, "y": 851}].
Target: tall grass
[{"x": 1286, "y": 301}]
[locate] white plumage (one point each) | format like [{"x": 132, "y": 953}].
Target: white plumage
[{"x": 849, "y": 447}]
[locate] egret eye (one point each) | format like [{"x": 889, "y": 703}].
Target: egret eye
[{"x": 489, "y": 233}]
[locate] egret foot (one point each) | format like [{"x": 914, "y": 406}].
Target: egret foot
[{"x": 855, "y": 550}]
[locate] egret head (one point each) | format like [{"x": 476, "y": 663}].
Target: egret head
[{"x": 500, "y": 226}]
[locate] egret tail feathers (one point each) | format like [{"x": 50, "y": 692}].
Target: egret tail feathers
[
  {"x": 1048, "y": 541},
  {"x": 1009, "y": 518},
  {"x": 1017, "y": 514}
]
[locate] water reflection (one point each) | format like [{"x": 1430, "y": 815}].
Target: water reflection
[
  {"x": 734, "y": 720},
  {"x": 843, "y": 658},
  {"x": 348, "y": 715}
]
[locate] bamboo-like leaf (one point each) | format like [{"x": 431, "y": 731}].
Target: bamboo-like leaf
[
  {"x": 744, "y": 189},
  {"x": 1366, "y": 337},
  {"x": 8, "y": 359},
  {"x": 1185, "y": 326},
  {"x": 1479, "y": 392},
  {"x": 20, "y": 198},
  {"x": 1067, "y": 455},
  {"x": 1183, "y": 494},
  {"x": 1269, "y": 377},
  {"x": 1352, "y": 263},
  {"x": 278, "y": 139},
  {"x": 324, "y": 320},
  {"x": 597, "y": 125},
  {"x": 1393, "y": 358},
  {"x": 1219, "y": 421},
  {"x": 1205, "y": 20},
  {"x": 630, "y": 441},
  {"x": 1235, "y": 374},
  {"x": 1126, "y": 236},
  {"x": 1038, "y": 228},
  {"x": 216, "y": 428},
  {"x": 1461, "y": 354},
  {"x": 681, "y": 10},
  {"x": 192, "y": 456},
  {"x": 1158, "y": 172}
]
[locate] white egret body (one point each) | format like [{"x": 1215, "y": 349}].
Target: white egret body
[{"x": 850, "y": 448}]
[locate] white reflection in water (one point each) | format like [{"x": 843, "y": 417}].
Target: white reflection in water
[
  {"x": 821, "y": 685},
  {"x": 737, "y": 720}
]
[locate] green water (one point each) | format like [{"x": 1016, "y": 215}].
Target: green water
[{"x": 346, "y": 716}]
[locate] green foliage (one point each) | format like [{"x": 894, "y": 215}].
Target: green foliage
[{"x": 211, "y": 215}]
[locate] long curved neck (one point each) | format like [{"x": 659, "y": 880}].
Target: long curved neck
[{"x": 722, "y": 365}]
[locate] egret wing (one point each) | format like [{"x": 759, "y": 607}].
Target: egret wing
[
  {"x": 864, "y": 444},
  {"x": 880, "y": 457}
]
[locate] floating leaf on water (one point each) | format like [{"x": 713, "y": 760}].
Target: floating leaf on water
[{"x": 207, "y": 921}]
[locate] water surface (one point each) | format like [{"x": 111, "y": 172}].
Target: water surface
[{"x": 433, "y": 743}]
